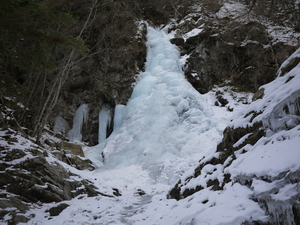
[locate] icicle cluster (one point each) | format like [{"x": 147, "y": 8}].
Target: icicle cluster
[{"x": 80, "y": 117}]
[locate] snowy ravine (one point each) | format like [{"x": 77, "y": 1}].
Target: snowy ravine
[
  {"x": 164, "y": 130},
  {"x": 164, "y": 121}
]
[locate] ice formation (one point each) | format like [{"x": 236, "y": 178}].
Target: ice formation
[
  {"x": 118, "y": 117},
  {"x": 80, "y": 117},
  {"x": 104, "y": 122},
  {"x": 164, "y": 119}
]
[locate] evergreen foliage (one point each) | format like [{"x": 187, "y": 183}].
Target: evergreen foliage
[{"x": 35, "y": 37}]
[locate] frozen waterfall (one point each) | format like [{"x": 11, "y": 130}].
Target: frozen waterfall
[
  {"x": 80, "y": 117},
  {"x": 118, "y": 117},
  {"x": 164, "y": 119},
  {"x": 104, "y": 122}
]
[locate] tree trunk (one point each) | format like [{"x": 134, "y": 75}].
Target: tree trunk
[{"x": 61, "y": 78}]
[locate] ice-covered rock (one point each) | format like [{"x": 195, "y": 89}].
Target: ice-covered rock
[{"x": 260, "y": 151}]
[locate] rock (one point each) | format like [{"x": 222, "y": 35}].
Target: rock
[
  {"x": 221, "y": 99},
  {"x": 106, "y": 77},
  {"x": 140, "y": 192},
  {"x": 13, "y": 202},
  {"x": 50, "y": 143},
  {"x": 177, "y": 41},
  {"x": 79, "y": 163},
  {"x": 17, "y": 218},
  {"x": 292, "y": 63},
  {"x": 35, "y": 179},
  {"x": 259, "y": 94},
  {"x": 74, "y": 160},
  {"x": 55, "y": 211},
  {"x": 227, "y": 50},
  {"x": 83, "y": 164},
  {"x": 73, "y": 148},
  {"x": 116, "y": 192}
]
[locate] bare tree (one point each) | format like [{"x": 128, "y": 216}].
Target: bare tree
[{"x": 67, "y": 65}]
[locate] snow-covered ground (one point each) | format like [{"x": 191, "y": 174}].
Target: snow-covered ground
[{"x": 166, "y": 129}]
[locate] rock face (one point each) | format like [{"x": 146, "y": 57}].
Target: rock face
[
  {"x": 73, "y": 148},
  {"x": 273, "y": 180},
  {"x": 78, "y": 162},
  {"x": 32, "y": 174},
  {"x": 227, "y": 46}
]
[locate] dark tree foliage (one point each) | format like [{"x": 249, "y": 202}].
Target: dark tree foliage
[{"x": 284, "y": 12}]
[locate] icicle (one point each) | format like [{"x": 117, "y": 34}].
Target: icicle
[
  {"x": 104, "y": 122},
  {"x": 80, "y": 117},
  {"x": 119, "y": 113}
]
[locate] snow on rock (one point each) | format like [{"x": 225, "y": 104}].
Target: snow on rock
[
  {"x": 289, "y": 64},
  {"x": 30, "y": 173},
  {"x": 260, "y": 151},
  {"x": 279, "y": 108},
  {"x": 231, "y": 9},
  {"x": 193, "y": 32}
]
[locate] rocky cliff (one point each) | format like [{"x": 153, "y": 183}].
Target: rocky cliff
[{"x": 219, "y": 42}]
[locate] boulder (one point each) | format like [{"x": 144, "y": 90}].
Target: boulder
[
  {"x": 13, "y": 202},
  {"x": 73, "y": 148},
  {"x": 74, "y": 160},
  {"x": 177, "y": 41},
  {"x": 55, "y": 211}
]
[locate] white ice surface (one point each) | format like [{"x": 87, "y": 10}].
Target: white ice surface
[
  {"x": 104, "y": 122},
  {"x": 118, "y": 117},
  {"x": 80, "y": 117}
]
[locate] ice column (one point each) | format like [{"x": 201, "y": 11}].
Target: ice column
[
  {"x": 104, "y": 122},
  {"x": 118, "y": 117},
  {"x": 80, "y": 117}
]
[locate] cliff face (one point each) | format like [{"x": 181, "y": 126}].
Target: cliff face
[
  {"x": 232, "y": 43},
  {"x": 220, "y": 42}
]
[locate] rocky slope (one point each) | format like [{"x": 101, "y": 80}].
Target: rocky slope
[
  {"x": 31, "y": 174},
  {"x": 259, "y": 150}
]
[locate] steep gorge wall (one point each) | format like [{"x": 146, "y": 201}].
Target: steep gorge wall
[
  {"x": 234, "y": 47},
  {"x": 232, "y": 44}
]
